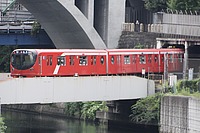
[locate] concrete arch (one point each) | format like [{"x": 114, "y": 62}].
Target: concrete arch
[{"x": 64, "y": 23}]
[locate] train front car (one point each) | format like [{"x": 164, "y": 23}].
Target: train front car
[{"x": 22, "y": 63}]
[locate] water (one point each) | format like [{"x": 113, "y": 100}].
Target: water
[{"x": 22, "y": 122}]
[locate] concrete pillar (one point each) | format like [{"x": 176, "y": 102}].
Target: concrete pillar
[
  {"x": 87, "y": 8},
  {"x": 101, "y": 18},
  {"x": 116, "y": 16},
  {"x": 185, "y": 65},
  {"x": 83, "y": 6},
  {"x": 91, "y": 11}
]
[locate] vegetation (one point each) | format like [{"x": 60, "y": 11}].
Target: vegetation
[
  {"x": 2, "y": 125},
  {"x": 155, "y": 5},
  {"x": 36, "y": 28},
  {"x": 89, "y": 109},
  {"x": 73, "y": 109},
  {"x": 84, "y": 110},
  {"x": 5, "y": 52},
  {"x": 147, "y": 110},
  {"x": 184, "y": 5}
]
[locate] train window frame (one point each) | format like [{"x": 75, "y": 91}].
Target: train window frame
[
  {"x": 49, "y": 60},
  {"x": 118, "y": 59},
  {"x": 112, "y": 59},
  {"x": 142, "y": 59},
  {"x": 134, "y": 59},
  {"x": 71, "y": 60},
  {"x": 156, "y": 58},
  {"x": 171, "y": 58},
  {"x": 83, "y": 60},
  {"x": 127, "y": 59},
  {"x": 180, "y": 57},
  {"x": 93, "y": 60},
  {"x": 149, "y": 58},
  {"x": 102, "y": 60},
  {"x": 61, "y": 60}
]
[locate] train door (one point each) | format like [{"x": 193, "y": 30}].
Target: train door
[
  {"x": 48, "y": 65},
  {"x": 119, "y": 63},
  {"x": 156, "y": 63},
  {"x": 126, "y": 64},
  {"x": 93, "y": 64},
  {"x": 40, "y": 65},
  {"x": 134, "y": 63},
  {"x": 149, "y": 62}
]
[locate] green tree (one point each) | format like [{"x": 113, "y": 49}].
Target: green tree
[
  {"x": 36, "y": 28},
  {"x": 89, "y": 109},
  {"x": 2, "y": 125},
  {"x": 73, "y": 109},
  {"x": 175, "y": 4},
  {"x": 155, "y": 5},
  {"x": 147, "y": 110},
  {"x": 5, "y": 52}
]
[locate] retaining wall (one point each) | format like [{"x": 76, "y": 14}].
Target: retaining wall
[{"x": 180, "y": 114}]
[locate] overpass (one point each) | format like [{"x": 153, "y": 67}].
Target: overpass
[
  {"x": 70, "y": 23},
  {"x": 72, "y": 89}
]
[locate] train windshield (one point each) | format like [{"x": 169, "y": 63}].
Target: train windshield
[{"x": 23, "y": 59}]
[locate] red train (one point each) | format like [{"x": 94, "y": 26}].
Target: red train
[{"x": 70, "y": 62}]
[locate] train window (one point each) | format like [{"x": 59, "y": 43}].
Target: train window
[
  {"x": 126, "y": 59},
  {"x": 180, "y": 57},
  {"x": 93, "y": 60},
  {"x": 83, "y": 60},
  {"x": 49, "y": 60},
  {"x": 61, "y": 60},
  {"x": 142, "y": 59},
  {"x": 149, "y": 58},
  {"x": 156, "y": 58},
  {"x": 171, "y": 58},
  {"x": 71, "y": 60},
  {"x": 112, "y": 60},
  {"x": 102, "y": 60},
  {"x": 162, "y": 58},
  {"x": 134, "y": 59},
  {"x": 118, "y": 59}
]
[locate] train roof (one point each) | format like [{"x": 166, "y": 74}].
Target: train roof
[{"x": 103, "y": 52}]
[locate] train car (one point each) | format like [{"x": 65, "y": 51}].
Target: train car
[
  {"x": 74, "y": 62},
  {"x": 57, "y": 62},
  {"x": 128, "y": 61}
]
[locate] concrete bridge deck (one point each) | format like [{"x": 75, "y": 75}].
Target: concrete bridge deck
[{"x": 73, "y": 89}]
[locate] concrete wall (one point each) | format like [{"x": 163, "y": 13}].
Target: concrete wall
[
  {"x": 181, "y": 24},
  {"x": 73, "y": 89},
  {"x": 180, "y": 114}
]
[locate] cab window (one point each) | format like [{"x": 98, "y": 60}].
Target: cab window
[
  {"x": 61, "y": 60},
  {"x": 83, "y": 60},
  {"x": 126, "y": 59},
  {"x": 142, "y": 59}
]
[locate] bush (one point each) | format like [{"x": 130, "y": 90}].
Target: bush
[
  {"x": 86, "y": 110},
  {"x": 147, "y": 110},
  {"x": 89, "y": 109},
  {"x": 73, "y": 109},
  {"x": 2, "y": 125},
  {"x": 192, "y": 85}
]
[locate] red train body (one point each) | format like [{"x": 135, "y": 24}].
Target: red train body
[{"x": 70, "y": 62}]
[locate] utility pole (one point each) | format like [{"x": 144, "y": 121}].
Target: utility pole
[
  {"x": 165, "y": 69},
  {"x": 185, "y": 65}
]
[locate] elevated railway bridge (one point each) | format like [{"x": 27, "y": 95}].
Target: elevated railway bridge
[{"x": 72, "y": 89}]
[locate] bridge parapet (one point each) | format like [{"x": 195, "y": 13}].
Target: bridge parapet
[{"x": 74, "y": 89}]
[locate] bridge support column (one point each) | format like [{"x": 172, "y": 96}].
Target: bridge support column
[
  {"x": 116, "y": 16},
  {"x": 185, "y": 65},
  {"x": 87, "y": 8}
]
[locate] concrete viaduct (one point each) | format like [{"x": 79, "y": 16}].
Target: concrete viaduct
[{"x": 80, "y": 23}]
